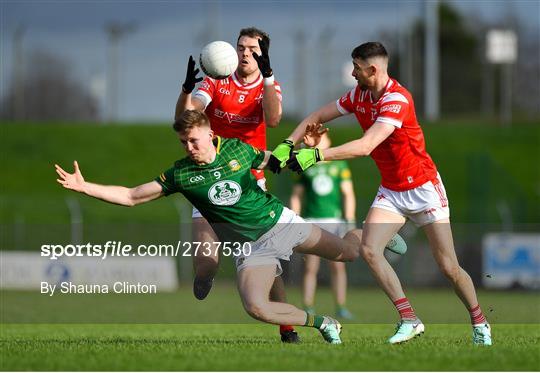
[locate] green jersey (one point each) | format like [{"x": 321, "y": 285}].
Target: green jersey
[
  {"x": 225, "y": 191},
  {"x": 322, "y": 197}
]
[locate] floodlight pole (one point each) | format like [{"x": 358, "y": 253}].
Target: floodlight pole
[
  {"x": 506, "y": 94},
  {"x": 115, "y": 31},
  {"x": 300, "y": 71},
  {"x": 18, "y": 73},
  {"x": 210, "y": 30},
  {"x": 501, "y": 48},
  {"x": 325, "y": 62},
  {"x": 431, "y": 58}
]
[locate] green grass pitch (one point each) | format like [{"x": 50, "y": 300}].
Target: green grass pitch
[
  {"x": 217, "y": 335},
  {"x": 242, "y": 347}
]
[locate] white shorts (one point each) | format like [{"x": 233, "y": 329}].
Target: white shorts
[
  {"x": 278, "y": 243},
  {"x": 423, "y": 205},
  {"x": 335, "y": 226},
  {"x": 195, "y": 213}
]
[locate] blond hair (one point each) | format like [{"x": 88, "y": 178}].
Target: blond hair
[{"x": 190, "y": 119}]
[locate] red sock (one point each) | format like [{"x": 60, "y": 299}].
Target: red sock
[
  {"x": 405, "y": 310},
  {"x": 286, "y": 328},
  {"x": 477, "y": 316}
]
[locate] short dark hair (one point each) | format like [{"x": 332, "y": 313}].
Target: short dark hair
[
  {"x": 190, "y": 119},
  {"x": 368, "y": 50},
  {"x": 254, "y": 32}
]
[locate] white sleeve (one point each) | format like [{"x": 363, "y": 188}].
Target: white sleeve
[
  {"x": 203, "y": 97},
  {"x": 341, "y": 109},
  {"x": 394, "y": 122}
]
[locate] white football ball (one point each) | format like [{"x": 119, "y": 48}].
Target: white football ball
[{"x": 218, "y": 60}]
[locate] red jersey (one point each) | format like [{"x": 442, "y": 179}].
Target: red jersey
[
  {"x": 402, "y": 158},
  {"x": 235, "y": 109}
]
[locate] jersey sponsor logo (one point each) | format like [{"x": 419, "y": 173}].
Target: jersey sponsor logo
[
  {"x": 225, "y": 193},
  {"x": 322, "y": 184},
  {"x": 196, "y": 179},
  {"x": 231, "y": 117},
  {"x": 234, "y": 165},
  {"x": 394, "y": 108},
  {"x": 224, "y": 91}
]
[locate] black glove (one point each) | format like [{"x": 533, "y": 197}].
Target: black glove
[
  {"x": 191, "y": 77},
  {"x": 279, "y": 156},
  {"x": 263, "y": 60}
]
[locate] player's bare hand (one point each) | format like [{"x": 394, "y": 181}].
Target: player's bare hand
[
  {"x": 313, "y": 134},
  {"x": 74, "y": 181}
]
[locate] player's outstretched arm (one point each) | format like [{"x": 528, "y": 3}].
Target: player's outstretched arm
[
  {"x": 303, "y": 159},
  {"x": 185, "y": 100},
  {"x": 375, "y": 135},
  {"x": 284, "y": 151},
  {"x": 118, "y": 195},
  {"x": 323, "y": 115}
]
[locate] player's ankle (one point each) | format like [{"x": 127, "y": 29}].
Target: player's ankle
[{"x": 314, "y": 321}]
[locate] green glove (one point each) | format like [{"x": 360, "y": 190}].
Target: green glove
[
  {"x": 304, "y": 159},
  {"x": 280, "y": 155}
]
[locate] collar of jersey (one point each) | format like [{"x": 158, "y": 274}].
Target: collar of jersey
[
  {"x": 217, "y": 141},
  {"x": 389, "y": 84},
  {"x": 237, "y": 81}
]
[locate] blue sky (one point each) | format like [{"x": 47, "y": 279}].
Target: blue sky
[{"x": 154, "y": 57}]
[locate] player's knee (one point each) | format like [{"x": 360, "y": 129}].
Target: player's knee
[
  {"x": 369, "y": 254},
  {"x": 450, "y": 270},
  {"x": 256, "y": 309}
]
